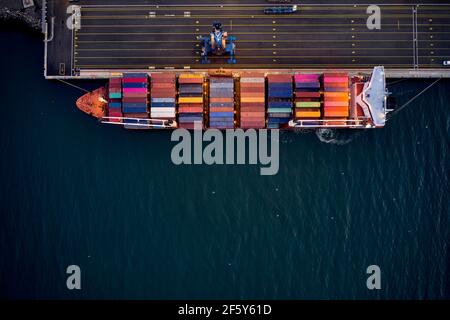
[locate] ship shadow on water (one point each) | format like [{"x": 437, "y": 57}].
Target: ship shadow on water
[{"x": 337, "y": 137}]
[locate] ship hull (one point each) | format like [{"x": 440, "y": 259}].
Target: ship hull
[{"x": 245, "y": 100}]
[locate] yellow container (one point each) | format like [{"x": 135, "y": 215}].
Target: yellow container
[
  {"x": 307, "y": 114},
  {"x": 191, "y": 76},
  {"x": 253, "y": 100},
  {"x": 191, "y": 100}
]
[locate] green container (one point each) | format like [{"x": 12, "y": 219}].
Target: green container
[
  {"x": 115, "y": 95},
  {"x": 307, "y": 104},
  {"x": 279, "y": 110}
]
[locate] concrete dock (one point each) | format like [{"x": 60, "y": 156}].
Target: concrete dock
[{"x": 118, "y": 35}]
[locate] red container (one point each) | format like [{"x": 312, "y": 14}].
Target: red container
[
  {"x": 163, "y": 77},
  {"x": 192, "y": 105},
  {"x": 183, "y": 109},
  {"x": 252, "y": 109},
  {"x": 252, "y": 105},
  {"x": 163, "y": 94},
  {"x": 136, "y": 115},
  {"x": 252, "y": 85},
  {"x": 307, "y": 94},
  {"x": 279, "y": 78},
  {"x": 163, "y": 85},
  {"x": 246, "y": 92},
  {"x": 221, "y": 109},
  {"x": 330, "y": 74},
  {"x": 189, "y": 126},
  {"x": 252, "y": 119},
  {"x": 253, "y": 114},
  {"x": 253, "y": 95},
  {"x": 115, "y": 112},
  {"x": 335, "y": 79},
  {"x": 134, "y": 100},
  {"x": 135, "y": 80},
  {"x": 335, "y": 85},
  {"x": 253, "y": 124}
]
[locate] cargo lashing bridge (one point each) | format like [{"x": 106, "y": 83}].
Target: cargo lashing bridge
[{"x": 413, "y": 40}]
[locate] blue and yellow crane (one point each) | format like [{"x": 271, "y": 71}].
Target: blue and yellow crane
[{"x": 218, "y": 43}]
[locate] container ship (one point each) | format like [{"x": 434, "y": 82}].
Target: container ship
[{"x": 247, "y": 99}]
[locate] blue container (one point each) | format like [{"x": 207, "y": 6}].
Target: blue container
[
  {"x": 193, "y": 89},
  {"x": 331, "y": 89},
  {"x": 221, "y": 80},
  {"x": 282, "y": 94},
  {"x": 134, "y": 105},
  {"x": 135, "y": 75},
  {"x": 277, "y": 120},
  {"x": 311, "y": 85},
  {"x": 113, "y": 105},
  {"x": 135, "y": 85},
  {"x": 191, "y": 95},
  {"x": 307, "y": 89},
  {"x": 222, "y": 125},
  {"x": 133, "y": 121},
  {"x": 190, "y": 119},
  {"x": 221, "y": 104},
  {"x": 215, "y": 120},
  {"x": 163, "y": 105},
  {"x": 191, "y": 114},
  {"x": 280, "y": 104},
  {"x": 282, "y": 86},
  {"x": 222, "y": 114},
  {"x": 280, "y": 115},
  {"x": 163, "y": 100},
  {"x": 220, "y": 93},
  {"x": 134, "y": 110}
]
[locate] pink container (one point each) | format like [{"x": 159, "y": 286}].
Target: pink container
[
  {"x": 336, "y": 79},
  {"x": 306, "y": 77},
  {"x": 135, "y": 90}
]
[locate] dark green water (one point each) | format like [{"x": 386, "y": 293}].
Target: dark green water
[{"x": 109, "y": 200}]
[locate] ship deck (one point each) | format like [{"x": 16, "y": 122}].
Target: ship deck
[{"x": 134, "y": 35}]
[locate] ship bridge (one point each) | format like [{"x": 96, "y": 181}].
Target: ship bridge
[{"x": 373, "y": 97}]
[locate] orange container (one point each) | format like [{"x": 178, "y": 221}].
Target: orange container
[
  {"x": 336, "y": 112},
  {"x": 221, "y": 100},
  {"x": 336, "y": 95}
]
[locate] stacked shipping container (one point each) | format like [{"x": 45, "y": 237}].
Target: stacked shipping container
[
  {"x": 280, "y": 96},
  {"x": 135, "y": 97},
  {"x": 253, "y": 101},
  {"x": 115, "y": 99},
  {"x": 336, "y": 95},
  {"x": 221, "y": 103},
  {"x": 163, "y": 96},
  {"x": 307, "y": 96},
  {"x": 190, "y": 100}
]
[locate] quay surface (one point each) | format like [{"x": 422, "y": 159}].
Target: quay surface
[{"x": 118, "y": 35}]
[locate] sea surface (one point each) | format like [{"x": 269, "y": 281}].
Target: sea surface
[{"x": 75, "y": 192}]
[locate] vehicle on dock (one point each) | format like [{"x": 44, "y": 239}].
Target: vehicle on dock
[
  {"x": 245, "y": 99},
  {"x": 279, "y": 1},
  {"x": 218, "y": 43},
  {"x": 281, "y": 10}
]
